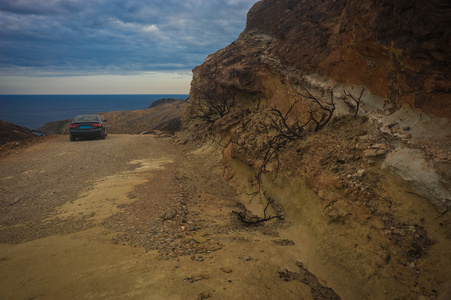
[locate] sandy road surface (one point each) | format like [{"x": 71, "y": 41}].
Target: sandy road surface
[
  {"x": 41, "y": 178},
  {"x": 136, "y": 217}
]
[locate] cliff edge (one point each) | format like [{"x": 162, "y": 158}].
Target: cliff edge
[{"x": 339, "y": 114}]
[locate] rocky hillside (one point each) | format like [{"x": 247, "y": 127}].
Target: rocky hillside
[
  {"x": 163, "y": 115},
  {"x": 10, "y": 132},
  {"x": 338, "y": 114}
]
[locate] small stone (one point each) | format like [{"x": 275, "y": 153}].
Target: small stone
[
  {"x": 192, "y": 228},
  {"x": 370, "y": 161},
  {"x": 379, "y": 146},
  {"x": 360, "y": 172},
  {"x": 381, "y": 152},
  {"x": 230, "y": 280},
  {"x": 370, "y": 153}
]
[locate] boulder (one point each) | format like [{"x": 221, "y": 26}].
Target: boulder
[{"x": 412, "y": 167}]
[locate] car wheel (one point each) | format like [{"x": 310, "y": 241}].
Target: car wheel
[{"x": 72, "y": 138}]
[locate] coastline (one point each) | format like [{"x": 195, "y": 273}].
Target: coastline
[{"x": 34, "y": 111}]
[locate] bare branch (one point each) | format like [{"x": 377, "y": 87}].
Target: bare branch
[
  {"x": 242, "y": 216},
  {"x": 357, "y": 101},
  {"x": 215, "y": 104},
  {"x": 279, "y": 122},
  {"x": 327, "y": 109}
]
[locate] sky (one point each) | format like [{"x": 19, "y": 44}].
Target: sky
[{"x": 111, "y": 46}]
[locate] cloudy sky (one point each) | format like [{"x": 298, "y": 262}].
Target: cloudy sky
[{"x": 111, "y": 46}]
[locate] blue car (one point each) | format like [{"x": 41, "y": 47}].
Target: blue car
[{"x": 87, "y": 126}]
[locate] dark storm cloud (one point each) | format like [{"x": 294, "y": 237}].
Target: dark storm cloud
[{"x": 66, "y": 37}]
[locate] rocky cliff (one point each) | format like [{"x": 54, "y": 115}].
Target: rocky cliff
[
  {"x": 398, "y": 50},
  {"x": 340, "y": 112}
]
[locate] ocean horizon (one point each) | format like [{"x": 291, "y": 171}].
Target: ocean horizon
[{"x": 34, "y": 111}]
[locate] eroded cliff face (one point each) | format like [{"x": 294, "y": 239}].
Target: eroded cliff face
[
  {"x": 398, "y": 50},
  {"x": 341, "y": 110}
]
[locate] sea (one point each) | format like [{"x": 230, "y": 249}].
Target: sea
[{"x": 34, "y": 111}]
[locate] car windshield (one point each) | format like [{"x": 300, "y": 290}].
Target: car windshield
[{"x": 86, "y": 119}]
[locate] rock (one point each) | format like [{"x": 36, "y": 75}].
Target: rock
[
  {"x": 379, "y": 146},
  {"x": 381, "y": 152},
  {"x": 374, "y": 152},
  {"x": 411, "y": 166},
  {"x": 360, "y": 146},
  {"x": 164, "y": 101},
  {"x": 391, "y": 125},
  {"x": 203, "y": 295},
  {"x": 360, "y": 172},
  {"x": 370, "y": 153}
]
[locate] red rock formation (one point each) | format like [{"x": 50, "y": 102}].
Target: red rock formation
[{"x": 398, "y": 50}]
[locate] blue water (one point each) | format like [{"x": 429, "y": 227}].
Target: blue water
[{"x": 34, "y": 111}]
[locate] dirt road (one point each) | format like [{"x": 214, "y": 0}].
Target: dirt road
[{"x": 138, "y": 217}]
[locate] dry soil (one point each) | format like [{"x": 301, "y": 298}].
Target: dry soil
[{"x": 138, "y": 217}]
